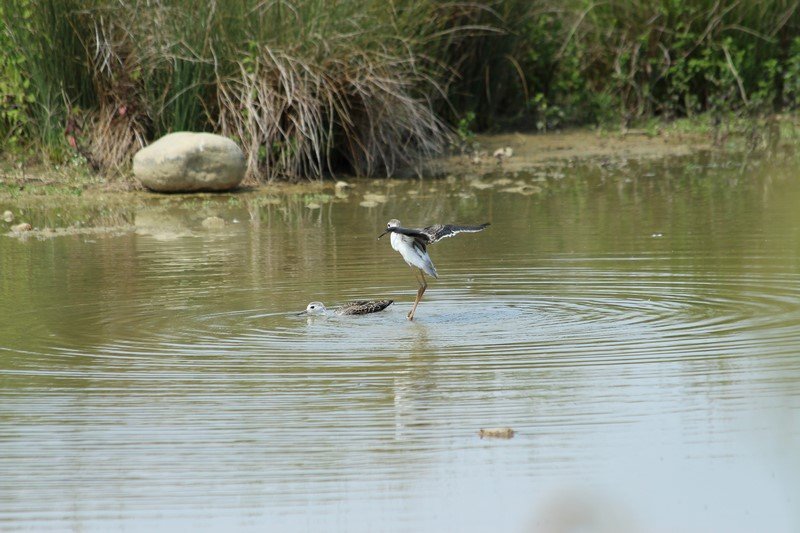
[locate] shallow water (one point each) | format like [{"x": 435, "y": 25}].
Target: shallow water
[{"x": 636, "y": 323}]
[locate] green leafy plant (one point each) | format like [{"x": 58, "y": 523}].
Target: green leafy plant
[{"x": 466, "y": 137}]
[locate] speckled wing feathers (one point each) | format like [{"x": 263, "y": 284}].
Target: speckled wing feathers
[
  {"x": 437, "y": 232},
  {"x": 363, "y": 307}
]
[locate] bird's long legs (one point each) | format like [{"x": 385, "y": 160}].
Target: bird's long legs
[{"x": 422, "y": 286}]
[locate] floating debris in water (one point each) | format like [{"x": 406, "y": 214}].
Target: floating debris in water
[
  {"x": 496, "y": 433},
  {"x": 524, "y": 189},
  {"x": 27, "y": 232},
  {"x": 21, "y": 228},
  {"x": 480, "y": 185},
  {"x": 378, "y": 198},
  {"x": 368, "y": 203},
  {"x": 213, "y": 223},
  {"x": 313, "y": 205},
  {"x": 478, "y": 157},
  {"x": 657, "y": 235},
  {"x": 342, "y": 190},
  {"x": 502, "y": 154}
]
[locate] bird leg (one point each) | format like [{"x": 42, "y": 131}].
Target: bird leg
[{"x": 422, "y": 286}]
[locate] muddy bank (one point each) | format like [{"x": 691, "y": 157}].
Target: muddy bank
[
  {"x": 51, "y": 208},
  {"x": 529, "y": 151}
]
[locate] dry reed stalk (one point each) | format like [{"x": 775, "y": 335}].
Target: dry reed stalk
[
  {"x": 117, "y": 128},
  {"x": 298, "y": 118}
]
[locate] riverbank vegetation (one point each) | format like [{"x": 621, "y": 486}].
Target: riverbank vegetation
[{"x": 308, "y": 87}]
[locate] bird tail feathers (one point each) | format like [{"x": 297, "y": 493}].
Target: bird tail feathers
[{"x": 430, "y": 270}]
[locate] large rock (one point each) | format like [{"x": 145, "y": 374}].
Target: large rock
[{"x": 186, "y": 162}]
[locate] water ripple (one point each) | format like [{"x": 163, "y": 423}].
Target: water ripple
[
  {"x": 509, "y": 318},
  {"x": 170, "y": 383}
]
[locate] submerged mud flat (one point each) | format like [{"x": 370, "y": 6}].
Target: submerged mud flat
[{"x": 623, "y": 337}]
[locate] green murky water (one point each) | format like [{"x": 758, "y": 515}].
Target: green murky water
[{"x": 637, "y": 324}]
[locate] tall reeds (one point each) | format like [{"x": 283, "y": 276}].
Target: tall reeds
[
  {"x": 307, "y": 87},
  {"x": 310, "y": 87},
  {"x": 347, "y": 90}
]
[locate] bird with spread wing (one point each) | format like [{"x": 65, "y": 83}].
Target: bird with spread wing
[{"x": 412, "y": 243}]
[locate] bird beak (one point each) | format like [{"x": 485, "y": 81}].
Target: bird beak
[
  {"x": 301, "y": 313},
  {"x": 384, "y": 233}
]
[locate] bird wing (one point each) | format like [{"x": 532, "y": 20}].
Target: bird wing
[
  {"x": 411, "y": 232},
  {"x": 442, "y": 231},
  {"x": 436, "y": 233},
  {"x": 363, "y": 307},
  {"x": 377, "y": 305},
  {"x": 421, "y": 239}
]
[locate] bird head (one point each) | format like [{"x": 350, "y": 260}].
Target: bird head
[
  {"x": 389, "y": 225},
  {"x": 315, "y": 308}
]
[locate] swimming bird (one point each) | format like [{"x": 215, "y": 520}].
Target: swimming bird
[
  {"x": 357, "y": 307},
  {"x": 412, "y": 243}
]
